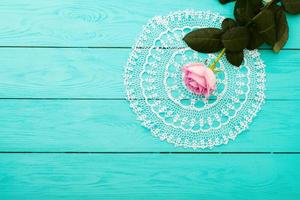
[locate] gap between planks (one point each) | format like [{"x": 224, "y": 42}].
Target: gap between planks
[
  {"x": 73, "y": 152},
  {"x": 101, "y": 99},
  {"x": 146, "y": 152},
  {"x": 110, "y": 47}
]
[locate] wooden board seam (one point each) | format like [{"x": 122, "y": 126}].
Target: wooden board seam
[{"x": 145, "y": 152}]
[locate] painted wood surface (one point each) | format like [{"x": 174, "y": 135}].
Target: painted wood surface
[
  {"x": 111, "y": 126},
  {"x": 89, "y": 176},
  {"x": 67, "y": 132},
  {"x": 113, "y": 23},
  {"x": 98, "y": 73}
]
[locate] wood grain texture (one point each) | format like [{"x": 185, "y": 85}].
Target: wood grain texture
[
  {"x": 93, "y": 22},
  {"x": 98, "y": 73},
  {"x": 62, "y": 73},
  {"x": 101, "y": 121},
  {"x": 265, "y": 177},
  {"x": 111, "y": 126}
]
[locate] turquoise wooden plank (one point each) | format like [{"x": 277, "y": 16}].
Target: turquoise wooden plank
[
  {"x": 98, "y": 73},
  {"x": 62, "y": 73},
  {"x": 245, "y": 177},
  {"x": 95, "y": 23},
  {"x": 108, "y": 126}
]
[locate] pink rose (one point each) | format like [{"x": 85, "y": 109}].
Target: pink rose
[{"x": 199, "y": 79}]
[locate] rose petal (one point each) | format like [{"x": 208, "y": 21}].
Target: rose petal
[
  {"x": 195, "y": 64},
  {"x": 199, "y": 79},
  {"x": 194, "y": 84},
  {"x": 207, "y": 93},
  {"x": 195, "y": 69},
  {"x": 210, "y": 78}
]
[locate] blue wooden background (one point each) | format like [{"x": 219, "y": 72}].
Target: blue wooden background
[{"x": 67, "y": 132}]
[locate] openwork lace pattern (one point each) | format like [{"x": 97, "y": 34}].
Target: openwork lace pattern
[{"x": 157, "y": 94}]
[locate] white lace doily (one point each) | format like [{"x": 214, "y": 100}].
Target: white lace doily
[{"x": 157, "y": 94}]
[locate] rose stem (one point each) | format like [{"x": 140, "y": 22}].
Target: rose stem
[{"x": 213, "y": 65}]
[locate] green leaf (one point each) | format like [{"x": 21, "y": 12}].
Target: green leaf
[
  {"x": 225, "y": 1},
  {"x": 282, "y": 30},
  {"x": 265, "y": 25},
  {"x": 235, "y": 58},
  {"x": 245, "y": 10},
  {"x": 205, "y": 40},
  {"x": 291, "y": 6},
  {"x": 256, "y": 39},
  {"x": 228, "y": 24},
  {"x": 236, "y": 39}
]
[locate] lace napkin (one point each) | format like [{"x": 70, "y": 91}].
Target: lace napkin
[{"x": 157, "y": 94}]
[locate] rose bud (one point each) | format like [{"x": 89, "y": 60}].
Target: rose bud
[{"x": 199, "y": 79}]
